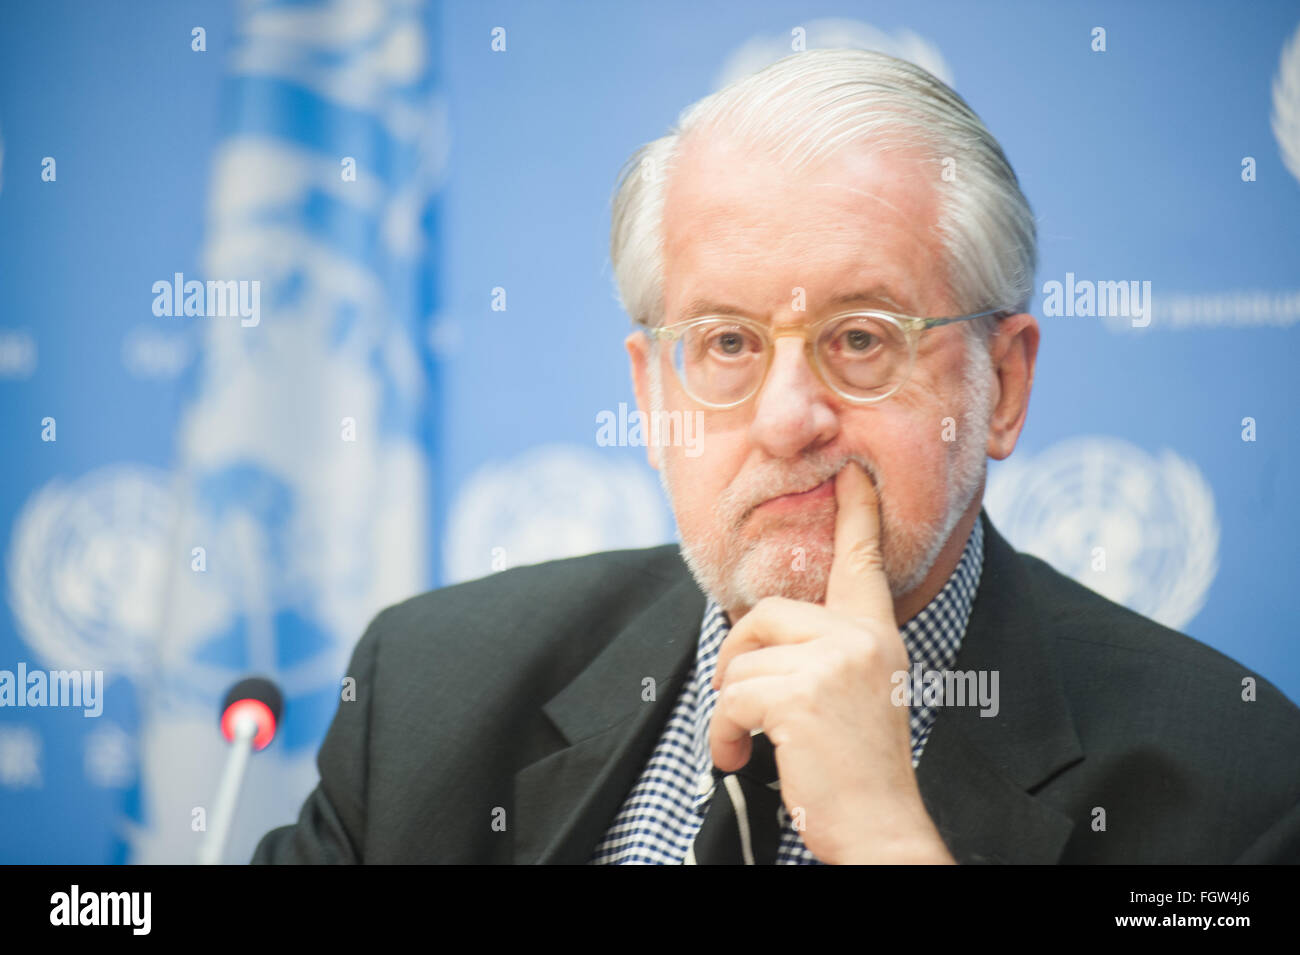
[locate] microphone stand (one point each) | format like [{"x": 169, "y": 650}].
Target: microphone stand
[{"x": 228, "y": 792}]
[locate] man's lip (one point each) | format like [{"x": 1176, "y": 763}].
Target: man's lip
[{"x": 825, "y": 489}]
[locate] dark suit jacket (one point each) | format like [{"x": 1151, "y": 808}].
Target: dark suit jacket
[{"x": 518, "y": 699}]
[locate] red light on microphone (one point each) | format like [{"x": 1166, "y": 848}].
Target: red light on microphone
[{"x": 255, "y": 710}]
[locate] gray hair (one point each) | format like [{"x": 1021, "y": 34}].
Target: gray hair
[{"x": 806, "y": 107}]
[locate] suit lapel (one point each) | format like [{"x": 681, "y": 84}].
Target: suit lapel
[
  {"x": 565, "y": 801},
  {"x": 977, "y": 773}
]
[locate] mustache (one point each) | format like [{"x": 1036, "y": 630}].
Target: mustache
[{"x": 774, "y": 480}]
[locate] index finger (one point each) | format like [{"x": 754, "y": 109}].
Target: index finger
[{"x": 857, "y": 586}]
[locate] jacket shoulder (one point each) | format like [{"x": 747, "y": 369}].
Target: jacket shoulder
[
  {"x": 449, "y": 686},
  {"x": 556, "y": 615},
  {"x": 1177, "y": 736},
  {"x": 1096, "y": 625}
]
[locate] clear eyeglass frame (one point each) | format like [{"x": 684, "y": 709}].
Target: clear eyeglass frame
[{"x": 910, "y": 326}]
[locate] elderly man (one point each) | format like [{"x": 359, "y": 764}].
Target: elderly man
[{"x": 831, "y": 263}]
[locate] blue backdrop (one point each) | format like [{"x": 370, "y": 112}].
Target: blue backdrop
[{"x": 418, "y": 191}]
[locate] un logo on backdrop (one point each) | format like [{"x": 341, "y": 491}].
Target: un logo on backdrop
[
  {"x": 89, "y": 564},
  {"x": 552, "y": 501},
  {"x": 1286, "y": 105},
  {"x": 86, "y": 569},
  {"x": 1137, "y": 528}
]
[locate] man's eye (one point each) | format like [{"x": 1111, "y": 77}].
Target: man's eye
[
  {"x": 858, "y": 341},
  {"x": 729, "y": 343}
]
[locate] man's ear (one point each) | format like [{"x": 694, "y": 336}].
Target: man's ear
[
  {"x": 639, "y": 353},
  {"x": 1014, "y": 351}
]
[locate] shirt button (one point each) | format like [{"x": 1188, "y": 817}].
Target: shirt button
[{"x": 705, "y": 784}]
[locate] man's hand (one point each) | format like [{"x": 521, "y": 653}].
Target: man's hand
[{"x": 817, "y": 681}]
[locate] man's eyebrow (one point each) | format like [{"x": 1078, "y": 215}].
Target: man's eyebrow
[
  {"x": 877, "y": 293},
  {"x": 871, "y": 296}
]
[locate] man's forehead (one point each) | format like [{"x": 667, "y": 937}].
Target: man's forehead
[
  {"x": 856, "y": 232},
  {"x": 858, "y": 214}
]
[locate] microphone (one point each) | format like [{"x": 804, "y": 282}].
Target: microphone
[{"x": 249, "y": 717}]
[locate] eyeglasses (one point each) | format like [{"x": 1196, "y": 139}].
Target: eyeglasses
[{"x": 722, "y": 361}]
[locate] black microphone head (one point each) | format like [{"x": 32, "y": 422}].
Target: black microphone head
[
  {"x": 255, "y": 698},
  {"x": 256, "y": 688}
]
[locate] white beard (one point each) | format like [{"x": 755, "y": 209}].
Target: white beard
[{"x": 793, "y": 560}]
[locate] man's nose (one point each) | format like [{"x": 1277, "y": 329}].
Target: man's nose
[{"x": 794, "y": 408}]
